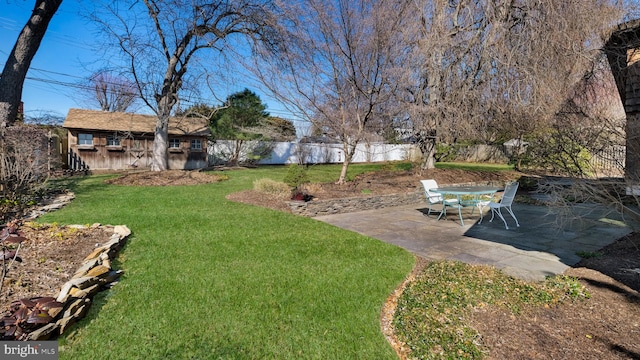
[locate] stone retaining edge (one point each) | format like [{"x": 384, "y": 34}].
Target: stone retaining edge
[
  {"x": 315, "y": 208},
  {"x": 92, "y": 276}
]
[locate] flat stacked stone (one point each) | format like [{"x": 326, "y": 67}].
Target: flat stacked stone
[
  {"x": 93, "y": 275},
  {"x": 315, "y": 208}
]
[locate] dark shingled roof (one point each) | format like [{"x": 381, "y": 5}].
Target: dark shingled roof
[{"x": 127, "y": 122}]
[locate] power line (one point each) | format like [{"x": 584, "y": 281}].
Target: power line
[
  {"x": 58, "y": 73},
  {"x": 89, "y": 88},
  {"x": 54, "y": 85}
]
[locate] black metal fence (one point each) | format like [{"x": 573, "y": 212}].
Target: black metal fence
[
  {"x": 75, "y": 163},
  {"x": 610, "y": 161}
]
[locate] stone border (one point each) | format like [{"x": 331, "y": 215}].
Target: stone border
[
  {"x": 94, "y": 274},
  {"x": 47, "y": 205},
  {"x": 315, "y": 208}
]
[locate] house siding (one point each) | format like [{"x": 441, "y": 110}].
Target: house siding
[
  {"x": 136, "y": 148},
  {"x": 133, "y": 153},
  {"x": 623, "y": 53}
]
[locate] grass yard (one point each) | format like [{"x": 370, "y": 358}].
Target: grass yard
[{"x": 206, "y": 278}]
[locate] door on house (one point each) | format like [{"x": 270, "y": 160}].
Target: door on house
[{"x": 139, "y": 154}]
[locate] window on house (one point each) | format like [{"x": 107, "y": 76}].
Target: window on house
[
  {"x": 113, "y": 140},
  {"x": 85, "y": 139},
  {"x": 196, "y": 144},
  {"x": 174, "y": 143}
]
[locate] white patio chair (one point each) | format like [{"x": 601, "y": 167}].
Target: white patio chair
[
  {"x": 435, "y": 198},
  {"x": 506, "y": 201}
]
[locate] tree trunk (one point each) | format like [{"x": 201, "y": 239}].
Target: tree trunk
[
  {"x": 161, "y": 143},
  {"x": 349, "y": 151},
  {"x": 427, "y": 144},
  {"x": 518, "y": 165},
  {"x": 166, "y": 100},
  {"x": 18, "y": 62},
  {"x": 343, "y": 171},
  {"x": 235, "y": 156},
  {"x": 429, "y": 161}
]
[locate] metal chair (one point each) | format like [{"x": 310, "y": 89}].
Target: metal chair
[
  {"x": 435, "y": 198},
  {"x": 506, "y": 201}
]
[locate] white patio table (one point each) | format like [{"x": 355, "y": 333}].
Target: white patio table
[{"x": 466, "y": 195}]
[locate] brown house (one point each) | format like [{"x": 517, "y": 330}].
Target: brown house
[
  {"x": 623, "y": 53},
  {"x": 100, "y": 140}
]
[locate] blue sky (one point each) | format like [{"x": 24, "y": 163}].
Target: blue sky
[
  {"x": 57, "y": 65},
  {"x": 65, "y": 59}
]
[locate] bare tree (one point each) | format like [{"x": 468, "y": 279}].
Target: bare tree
[
  {"x": 335, "y": 70},
  {"x": 160, "y": 40},
  {"x": 44, "y": 117},
  {"x": 585, "y": 138},
  {"x": 439, "y": 72},
  {"x": 602, "y": 129},
  {"x": 466, "y": 69},
  {"x": 561, "y": 40},
  {"x": 19, "y": 60},
  {"x": 492, "y": 69},
  {"x": 113, "y": 93}
]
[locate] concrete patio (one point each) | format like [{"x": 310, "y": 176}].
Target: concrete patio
[{"x": 546, "y": 243}]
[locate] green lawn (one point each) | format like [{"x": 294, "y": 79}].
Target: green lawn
[{"x": 206, "y": 278}]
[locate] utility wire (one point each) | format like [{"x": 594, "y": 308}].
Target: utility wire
[
  {"x": 12, "y": 26},
  {"x": 89, "y": 88}
]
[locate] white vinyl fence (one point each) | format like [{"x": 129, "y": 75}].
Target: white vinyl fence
[{"x": 312, "y": 153}]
